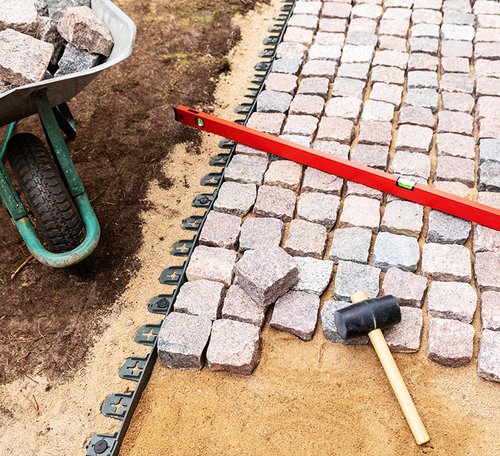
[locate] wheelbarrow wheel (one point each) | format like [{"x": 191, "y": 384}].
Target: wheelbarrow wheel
[{"x": 48, "y": 197}]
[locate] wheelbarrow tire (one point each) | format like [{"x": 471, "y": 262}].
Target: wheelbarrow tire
[{"x": 48, "y": 197}]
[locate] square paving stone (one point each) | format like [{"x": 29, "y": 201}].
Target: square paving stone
[
  {"x": 285, "y": 174},
  {"x": 458, "y": 5},
  {"x": 357, "y": 54},
  {"x": 409, "y": 289},
  {"x": 336, "y": 129},
  {"x": 275, "y": 202},
  {"x": 291, "y": 51},
  {"x": 307, "y": 7},
  {"x": 354, "y": 71},
  {"x": 362, "y": 39},
  {"x": 389, "y": 93},
  {"x": 391, "y": 43},
  {"x": 450, "y": 342},
  {"x": 455, "y": 122},
  {"x": 452, "y": 300},
  {"x": 488, "y": 360},
  {"x": 220, "y": 230},
  {"x": 362, "y": 25},
  {"x": 351, "y": 244},
  {"x": 236, "y": 199},
  {"x": 487, "y": 271},
  {"x": 454, "y": 65},
  {"x": 239, "y": 306},
  {"x": 212, "y": 263},
  {"x": 372, "y": 132},
  {"x": 367, "y": 10},
  {"x": 344, "y": 107},
  {"x": 201, "y": 297},
  {"x": 414, "y": 138},
  {"x": 320, "y": 69},
  {"x": 457, "y": 32},
  {"x": 488, "y": 86},
  {"x": 451, "y": 48},
  {"x": 306, "y": 239},
  {"x": 322, "y": 182},
  {"x": 455, "y": 169},
  {"x": 487, "y": 21},
  {"x": 489, "y": 128},
  {"x": 348, "y": 87},
  {"x": 489, "y": 177},
  {"x": 246, "y": 169},
  {"x": 487, "y": 107},
  {"x": 267, "y": 122},
  {"x": 425, "y": 30},
  {"x": 296, "y": 312},
  {"x": 241, "y": 149},
  {"x": 314, "y": 275},
  {"x": 386, "y": 74},
  {"x": 422, "y": 80},
  {"x": 457, "y": 102},
  {"x": 375, "y": 156},
  {"x": 489, "y": 198},
  {"x": 391, "y": 58},
  {"x": 415, "y": 115},
  {"x": 300, "y": 125},
  {"x": 397, "y": 13},
  {"x": 353, "y": 188},
  {"x": 394, "y": 27},
  {"x": 330, "y": 39},
  {"x": 332, "y": 25},
  {"x": 377, "y": 111},
  {"x": 485, "y": 7},
  {"x": 403, "y": 217},
  {"x": 426, "y": 16},
  {"x": 341, "y": 10},
  {"x": 353, "y": 277},
  {"x": 490, "y": 311},
  {"x": 319, "y": 208},
  {"x": 361, "y": 212},
  {"x": 396, "y": 251},
  {"x": 455, "y": 145},
  {"x": 307, "y": 105},
  {"x": 306, "y": 21},
  {"x": 266, "y": 274},
  {"x": 234, "y": 347},
  {"x": 406, "y": 336},
  {"x": 330, "y": 329},
  {"x": 457, "y": 17},
  {"x": 446, "y": 229},
  {"x": 456, "y": 82},
  {"x": 424, "y": 62},
  {"x": 423, "y": 98},
  {"x": 287, "y": 66},
  {"x": 182, "y": 340},
  {"x": 425, "y": 45},
  {"x": 410, "y": 164},
  {"x": 485, "y": 239},
  {"x": 271, "y": 101},
  {"x": 298, "y": 35},
  {"x": 489, "y": 150},
  {"x": 324, "y": 52},
  {"x": 446, "y": 262},
  {"x": 257, "y": 232},
  {"x": 314, "y": 86}
]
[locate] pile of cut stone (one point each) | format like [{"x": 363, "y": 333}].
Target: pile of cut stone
[{"x": 43, "y": 39}]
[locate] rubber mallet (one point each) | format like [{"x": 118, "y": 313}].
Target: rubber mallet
[{"x": 369, "y": 317}]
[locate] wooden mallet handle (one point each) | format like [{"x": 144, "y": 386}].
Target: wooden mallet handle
[{"x": 394, "y": 376}]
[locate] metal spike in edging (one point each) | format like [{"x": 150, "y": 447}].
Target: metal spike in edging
[
  {"x": 160, "y": 304},
  {"x": 203, "y": 200}
]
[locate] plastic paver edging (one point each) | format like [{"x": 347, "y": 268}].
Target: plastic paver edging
[{"x": 122, "y": 406}]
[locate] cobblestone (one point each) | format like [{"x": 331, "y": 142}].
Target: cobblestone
[
  {"x": 314, "y": 86},
  {"x": 324, "y": 52},
  {"x": 238, "y": 306},
  {"x": 489, "y": 150},
  {"x": 446, "y": 263},
  {"x": 300, "y": 125},
  {"x": 307, "y": 7},
  {"x": 422, "y": 80},
  {"x": 275, "y": 202},
  {"x": 362, "y": 25},
  {"x": 456, "y": 82},
  {"x": 457, "y": 32},
  {"x": 488, "y": 176},
  {"x": 307, "y": 105},
  {"x": 415, "y": 115},
  {"x": 455, "y": 145},
  {"x": 259, "y": 232},
  {"x": 454, "y": 65},
  {"x": 458, "y": 17},
  {"x": 389, "y": 93},
  {"x": 488, "y": 360},
  {"x": 446, "y": 229},
  {"x": 371, "y": 132},
  {"x": 314, "y": 275},
  {"x": 398, "y": 251},
  {"x": 336, "y": 129},
  {"x": 424, "y": 62},
  {"x": 350, "y": 244},
  {"x": 367, "y": 10},
  {"x": 345, "y": 107},
  {"x": 271, "y": 101},
  {"x": 409, "y": 289},
  {"x": 455, "y": 169},
  {"x": 340, "y": 10},
  {"x": 487, "y": 107},
  {"x": 306, "y": 239},
  {"x": 378, "y": 111},
  {"x": 353, "y": 188},
  {"x": 394, "y": 27},
  {"x": 319, "y": 69},
  {"x": 354, "y": 71},
  {"x": 391, "y": 58},
  {"x": 271, "y": 123},
  {"x": 487, "y": 21},
  {"x": 236, "y": 199},
  {"x": 298, "y": 35},
  {"x": 361, "y": 212},
  {"x": 490, "y": 311},
  {"x": 330, "y": 329},
  {"x": 452, "y": 48},
  {"x": 489, "y": 128},
  {"x": 346, "y": 87},
  {"x": 485, "y": 239},
  {"x": 455, "y": 122},
  {"x": 423, "y": 98},
  {"x": 426, "y": 16},
  {"x": 278, "y": 82},
  {"x": 403, "y": 217},
  {"x": 374, "y": 156},
  {"x": 486, "y": 35},
  {"x": 220, "y": 230},
  {"x": 330, "y": 39},
  {"x": 391, "y": 43},
  {"x": 357, "y": 54},
  {"x": 291, "y": 51},
  {"x": 201, "y": 297},
  {"x": 327, "y": 25},
  {"x": 410, "y": 164},
  {"x": 487, "y": 271},
  {"x": 450, "y": 342},
  {"x": 304, "y": 20},
  {"x": 452, "y": 300},
  {"x": 212, "y": 263},
  {"x": 406, "y": 336},
  {"x": 246, "y": 169},
  {"x": 425, "y": 30},
  {"x": 390, "y": 75},
  {"x": 362, "y": 39},
  {"x": 319, "y": 181},
  {"x": 352, "y": 277},
  {"x": 414, "y": 138},
  {"x": 457, "y": 102},
  {"x": 425, "y": 45},
  {"x": 287, "y": 66},
  {"x": 319, "y": 208}
]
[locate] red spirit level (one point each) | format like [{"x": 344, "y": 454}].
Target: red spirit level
[{"x": 380, "y": 180}]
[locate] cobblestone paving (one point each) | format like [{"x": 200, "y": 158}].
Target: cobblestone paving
[{"x": 412, "y": 88}]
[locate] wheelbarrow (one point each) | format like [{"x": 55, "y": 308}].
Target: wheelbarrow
[{"x": 49, "y": 179}]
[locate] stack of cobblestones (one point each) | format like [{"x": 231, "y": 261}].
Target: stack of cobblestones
[{"x": 407, "y": 86}]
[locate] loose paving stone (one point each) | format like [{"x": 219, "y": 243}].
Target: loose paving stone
[
  {"x": 298, "y": 35},
  {"x": 182, "y": 340},
  {"x": 266, "y": 274},
  {"x": 201, "y": 297},
  {"x": 319, "y": 208},
  {"x": 489, "y": 150},
  {"x": 403, "y": 217},
  {"x": 414, "y": 138},
  {"x": 394, "y": 27},
  {"x": 452, "y": 300},
  {"x": 303, "y": 20},
  {"x": 423, "y": 98},
  {"x": 319, "y": 181},
  {"x": 271, "y": 101},
  {"x": 487, "y": 107},
  {"x": 446, "y": 262},
  {"x": 371, "y": 132},
  {"x": 241, "y": 149},
  {"x": 406, "y": 336},
  {"x": 314, "y": 86},
  {"x": 275, "y": 202},
  {"x": 306, "y": 7},
  {"x": 488, "y": 360},
  {"x": 425, "y": 45},
  {"x": 314, "y": 275},
  {"x": 340, "y": 10},
  {"x": 320, "y": 68},
  {"x": 347, "y": 87},
  {"x": 367, "y": 10},
  {"x": 271, "y": 123},
  {"x": 21, "y": 16},
  {"x": 455, "y": 145},
  {"x": 375, "y": 156},
  {"x": 300, "y": 125},
  {"x": 236, "y": 199},
  {"x": 487, "y": 21},
  {"x": 336, "y": 129},
  {"x": 212, "y": 263},
  {"x": 426, "y": 16},
  {"x": 361, "y": 212},
  {"x": 291, "y": 51},
  {"x": 362, "y": 25},
  {"x": 354, "y": 71},
  {"x": 296, "y": 312},
  {"x": 487, "y": 271},
  {"x": 390, "y": 75},
  {"x": 410, "y": 164},
  {"x": 350, "y": 244},
  {"x": 458, "y": 17},
  {"x": 246, "y": 169},
  {"x": 446, "y": 229},
  {"x": 287, "y": 66},
  {"x": 450, "y": 342},
  {"x": 378, "y": 111},
  {"x": 259, "y": 232},
  {"x": 425, "y": 62},
  {"x": 393, "y": 250},
  {"x": 329, "y": 39},
  {"x": 489, "y": 128},
  {"x": 457, "y": 32},
  {"x": 75, "y": 60},
  {"x": 238, "y": 306},
  {"x": 454, "y": 65},
  {"x": 345, "y": 107},
  {"x": 455, "y": 122},
  {"x": 353, "y": 188},
  {"x": 234, "y": 347},
  {"x": 489, "y": 177},
  {"x": 422, "y": 80},
  {"x": 362, "y": 39},
  {"x": 58, "y": 7},
  {"x": 327, "y": 25},
  {"x": 451, "y": 48},
  {"x": 490, "y": 311},
  {"x": 306, "y": 239},
  {"x": 415, "y": 115},
  {"x": 485, "y": 239},
  {"x": 391, "y": 58},
  {"x": 425, "y": 31},
  {"x": 357, "y": 54},
  {"x": 220, "y": 230},
  {"x": 352, "y": 277},
  {"x": 389, "y": 93},
  {"x": 409, "y": 289},
  {"x": 455, "y": 169},
  {"x": 333, "y": 148},
  {"x": 456, "y": 82},
  {"x": 330, "y": 329},
  {"x": 391, "y": 43},
  {"x": 457, "y": 102},
  {"x": 307, "y": 105}
]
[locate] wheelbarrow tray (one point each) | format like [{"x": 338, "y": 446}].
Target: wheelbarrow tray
[{"x": 18, "y": 103}]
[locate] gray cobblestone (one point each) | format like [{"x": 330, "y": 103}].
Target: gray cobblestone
[
  {"x": 307, "y": 105},
  {"x": 415, "y": 115},
  {"x": 453, "y": 48},
  {"x": 271, "y": 101},
  {"x": 391, "y": 43},
  {"x": 488, "y": 360},
  {"x": 324, "y": 52},
  {"x": 487, "y": 21},
  {"x": 300, "y": 125},
  {"x": 329, "y": 39},
  {"x": 336, "y": 129},
  {"x": 234, "y": 198},
  {"x": 201, "y": 297},
  {"x": 353, "y": 277},
  {"x": 378, "y": 111},
  {"x": 398, "y": 251},
  {"x": 371, "y": 132},
  {"x": 275, "y": 202},
  {"x": 329, "y": 327},
  {"x": 414, "y": 138},
  {"x": 362, "y": 39},
  {"x": 446, "y": 263},
  {"x": 314, "y": 86},
  {"x": 354, "y": 71},
  {"x": 485, "y": 239},
  {"x": 246, "y": 169},
  {"x": 347, "y": 87},
  {"x": 314, "y": 275},
  {"x": 287, "y": 66},
  {"x": 452, "y": 300},
  {"x": 425, "y": 45},
  {"x": 457, "y": 32},
  {"x": 450, "y": 342},
  {"x": 458, "y": 18},
  {"x": 425, "y": 30},
  {"x": 409, "y": 289},
  {"x": 367, "y": 10},
  {"x": 238, "y": 306},
  {"x": 424, "y": 62},
  {"x": 489, "y": 150},
  {"x": 257, "y": 232},
  {"x": 488, "y": 177},
  {"x": 422, "y": 80},
  {"x": 291, "y": 51},
  {"x": 410, "y": 164},
  {"x": 403, "y": 217},
  {"x": 351, "y": 244},
  {"x": 406, "y": 336},
  {"x": 423, "y": 98},
  {"x": 357, "y": 54},
  {"x": 319, "y": 208},
  {"x": 361, "y": 212},
  {"x": 306, "y": 239},
  {"x": 446, "y": 229}
]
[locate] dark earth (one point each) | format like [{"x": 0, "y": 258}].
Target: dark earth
[{"x": 125, "y": 128}]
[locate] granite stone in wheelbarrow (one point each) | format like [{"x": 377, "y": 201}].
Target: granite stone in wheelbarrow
[
  {"x": 314, "y": 275},
  {"x": 201, "y": 297},
  {"x": 330, "y": 329},
  {"x": 257, "y": 232},
  {"x": 234, "y": 347},
  {"x": 296, "y": 312},
  {"x": 398, "y": 251},
  {"x": 83, "y": 28},
  {"x": 220, "y": 230},
  {"x": 75, "y": 60},
  {"x": 450, "y": 342},
  {"x": 306, "y": 239},
  {"x": 409, "y": 289},
  {"x": 182, "y": 341},
  {"x": 319, "y": 208},
  {"x": 275, "y": 202},
  {"x": 23, "y": 59},
  {"x": 488, "y": 360},
  {"x": 235, "y": 198},
  {"x": 351, "y": 244},
  {"x": 212, "y": 263},
  {"x": 352, "y": 277},
  {"x": 266, "y": 274},
  {"x": 446, "y": 229},
  {"x": 239, "y": 306},
  {"x": 58, "y": 7},
  {"x": 19, "y": 15},
  {"x": 406, "y": 336},
  {"x": 446, "y": 262},
  {"x": 246, "y": 169},
  {"x": 48, "y": 33}
]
